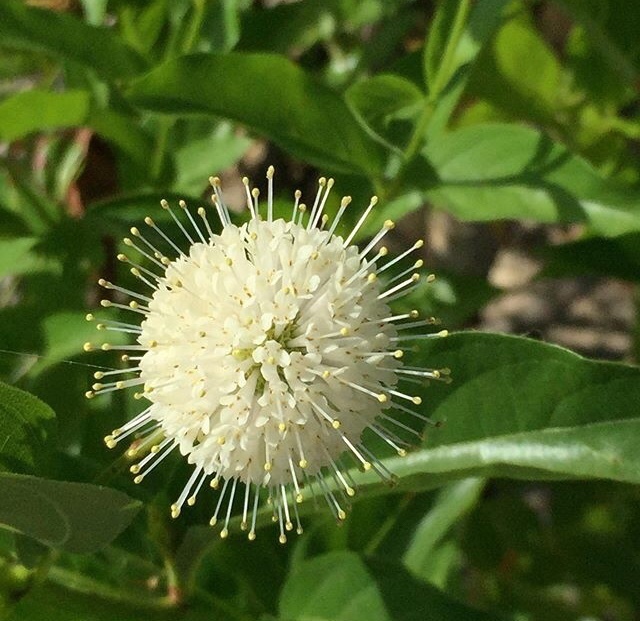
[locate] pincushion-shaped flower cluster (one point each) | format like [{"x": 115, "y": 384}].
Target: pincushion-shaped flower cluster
[{"x": 265, "y": 351}]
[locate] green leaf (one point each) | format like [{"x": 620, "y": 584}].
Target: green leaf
[
  {"x": 37, "y": 110},
  {"x": 453, "y": 501},
  {"x": 496, "y": 171},
  {"x": 519, "y": 74},
  {"x": 66, "y": 37},
  {"x": 65, "y": 333},
  {"x": 523, "y": 409},
  {"x": 270, "y": 95},
  {"x": 17, "y": 256},
  {"x": 198, "y": 159},
  {"x": 382, "y": 98},
  {"x": 76, "y": 517},
  {"x": 341, "y": 586},
  {"x": 603, "y": 48},
  {"x": 26, "y": 429}
]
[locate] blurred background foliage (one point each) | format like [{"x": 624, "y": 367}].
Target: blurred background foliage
[{"x": 504, "y": 132}]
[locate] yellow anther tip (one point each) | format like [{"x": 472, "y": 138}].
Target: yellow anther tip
[
  {"x": 303, "y": 463},
  {"x": 87, "y": 346},
  {"x": 382, "y": 398},
  {"x": 224, "y": 533},
  {"x": 416, "y": 400}
]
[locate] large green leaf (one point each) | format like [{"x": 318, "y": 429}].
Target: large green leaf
[
  {"x": 270, "y": 95},
  {"x": 341, "y": 586},
  {"x": 26, "y": 428},
  {"x": 37, "y": 110},
  {"x": 68, "y": 38},
  {"x": 77, "y": 517},
  {"x": 524, "y": 409},
  {"x": 496, "y": 171}
]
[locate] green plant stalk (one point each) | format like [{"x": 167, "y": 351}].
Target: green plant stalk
[
  {"x": 189, "y": 41},
  {"x": 194, "y": 27},
  {"x": 82, "y": 584},
  {"x": 457, "y": 30},
  {"x": 417, "y": 135}
]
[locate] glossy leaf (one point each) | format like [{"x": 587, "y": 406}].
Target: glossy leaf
[
  {"x": 306, "y": 117},
  {"x": 77, "y": 517},
  {"x": 341, "y": 586},
  {"x": 496, "y": 171},
  {"x": 38, "y": 110},
  {"x": 66, "y": 37},
  {"x": 519, "y": 408},
  {"x": 27, "y": 427}
]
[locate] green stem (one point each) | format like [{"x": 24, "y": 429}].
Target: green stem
[
  {"x": 88, "y": 586},
  {"x": 457, "y": 30},
  {"x": 194, "y": 27},
  {"x": 416, "y": 139},
  {"x": 157, "y": 163}
]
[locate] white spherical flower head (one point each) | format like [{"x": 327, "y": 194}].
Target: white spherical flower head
[{"x": 265, "y": 352}]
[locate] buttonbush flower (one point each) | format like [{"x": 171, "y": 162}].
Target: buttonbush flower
[{"x": 265, "y": 352}]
